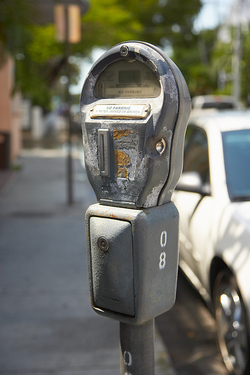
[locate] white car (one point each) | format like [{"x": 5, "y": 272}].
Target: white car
[
  {"x": 213, "y": 198},
  {"x": 220, "y": 102}
]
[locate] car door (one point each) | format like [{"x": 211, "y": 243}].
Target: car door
[{"x": 194, "y": 206}]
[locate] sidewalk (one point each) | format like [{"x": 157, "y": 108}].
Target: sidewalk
[{"x": 47, "y": 324}]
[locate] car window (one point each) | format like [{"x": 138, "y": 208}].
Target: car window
[
  {"x": 237, "y": 155},
  {"x": 218, "y": 105},
  {"x": 196, "y": 153}
]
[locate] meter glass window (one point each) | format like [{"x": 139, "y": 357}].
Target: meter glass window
[{"x": 127, "y": 79}]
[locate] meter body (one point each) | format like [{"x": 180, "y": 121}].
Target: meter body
[
  {"x": 135, "y": 106},
  {"x": 133, "y": 260}
]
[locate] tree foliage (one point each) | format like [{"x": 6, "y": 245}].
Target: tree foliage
[
  {"x": 166, "y": 23},
  {"x": 15, "y": 18},
  {"x": 39, "y": 58},
  {"x": 112, "y": 21}
]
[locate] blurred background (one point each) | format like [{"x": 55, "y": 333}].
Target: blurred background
[
  {"x": 46, "y": 50},
  {"x": 42, "y": 65}
]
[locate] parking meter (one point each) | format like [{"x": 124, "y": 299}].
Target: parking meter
[{"x": 135, "y": 106}]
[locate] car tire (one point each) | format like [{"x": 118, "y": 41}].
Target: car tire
[{"x": 231, "y": 319}]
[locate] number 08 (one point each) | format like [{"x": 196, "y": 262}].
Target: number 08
[{"x": 163, "y": 242}]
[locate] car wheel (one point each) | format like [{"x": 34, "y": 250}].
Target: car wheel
[{"x": 231, "y": 321}]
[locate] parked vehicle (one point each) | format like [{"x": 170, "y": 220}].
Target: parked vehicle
[
  {"x": 213, "y": 198},
  {"x": 220, "y": 102}
]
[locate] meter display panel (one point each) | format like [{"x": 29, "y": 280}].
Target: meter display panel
[{"x": 127, "y": 79}]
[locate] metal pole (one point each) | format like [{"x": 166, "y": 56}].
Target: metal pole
[
  {"x": 69, "y": 165},
  {"x": 237, "y": 55},
  {"x": 137, "y": 349}
]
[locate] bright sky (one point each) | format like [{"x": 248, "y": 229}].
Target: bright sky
[{"x": 213, "y": 13}]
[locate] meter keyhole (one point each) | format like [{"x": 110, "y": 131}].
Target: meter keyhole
[
  {"x": 103, "y": 243},
  {"x": 160, "y": 146}
]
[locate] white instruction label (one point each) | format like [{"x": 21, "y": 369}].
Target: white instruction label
[{"x": 136, "y": 111}]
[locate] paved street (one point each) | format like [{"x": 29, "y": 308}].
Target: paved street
[
  {"x": 47, "y": 324},
  {"x": 189, "y": 332}
]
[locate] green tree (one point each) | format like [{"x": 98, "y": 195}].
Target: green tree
[
  {"x": 40, "y": 59},
  {"x": 221, "y": 63},
  {"x": 194, "y": 59},
  {"x": 15, "y": 18}
]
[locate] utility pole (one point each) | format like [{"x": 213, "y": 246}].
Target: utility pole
[
  {"x": 69, "y": 165},
  {"x": 68, "y": 30},
  {"x": 237, "y": 49}
]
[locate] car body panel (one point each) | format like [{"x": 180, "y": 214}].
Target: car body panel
[
  {"x": 233, "y": 245},
  {"x": 212, "y": 226}
]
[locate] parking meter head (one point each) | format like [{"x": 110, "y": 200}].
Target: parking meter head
[{"x": 135, "y": 106}]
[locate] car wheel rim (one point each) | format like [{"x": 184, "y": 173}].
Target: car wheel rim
[{"x": 232, "y": 330}]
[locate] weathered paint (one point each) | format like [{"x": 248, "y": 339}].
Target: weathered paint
[
  {"x": 121, "y": 162},
  {"x": 118, "y": 134},
  {"x": 152, "y": 198}
]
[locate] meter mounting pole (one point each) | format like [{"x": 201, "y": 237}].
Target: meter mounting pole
[{"x": 137, "y": 348}]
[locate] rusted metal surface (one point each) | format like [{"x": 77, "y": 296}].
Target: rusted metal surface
[
  {"x": 121, "y": 163},
  {"x": 118, "y": 134}
]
